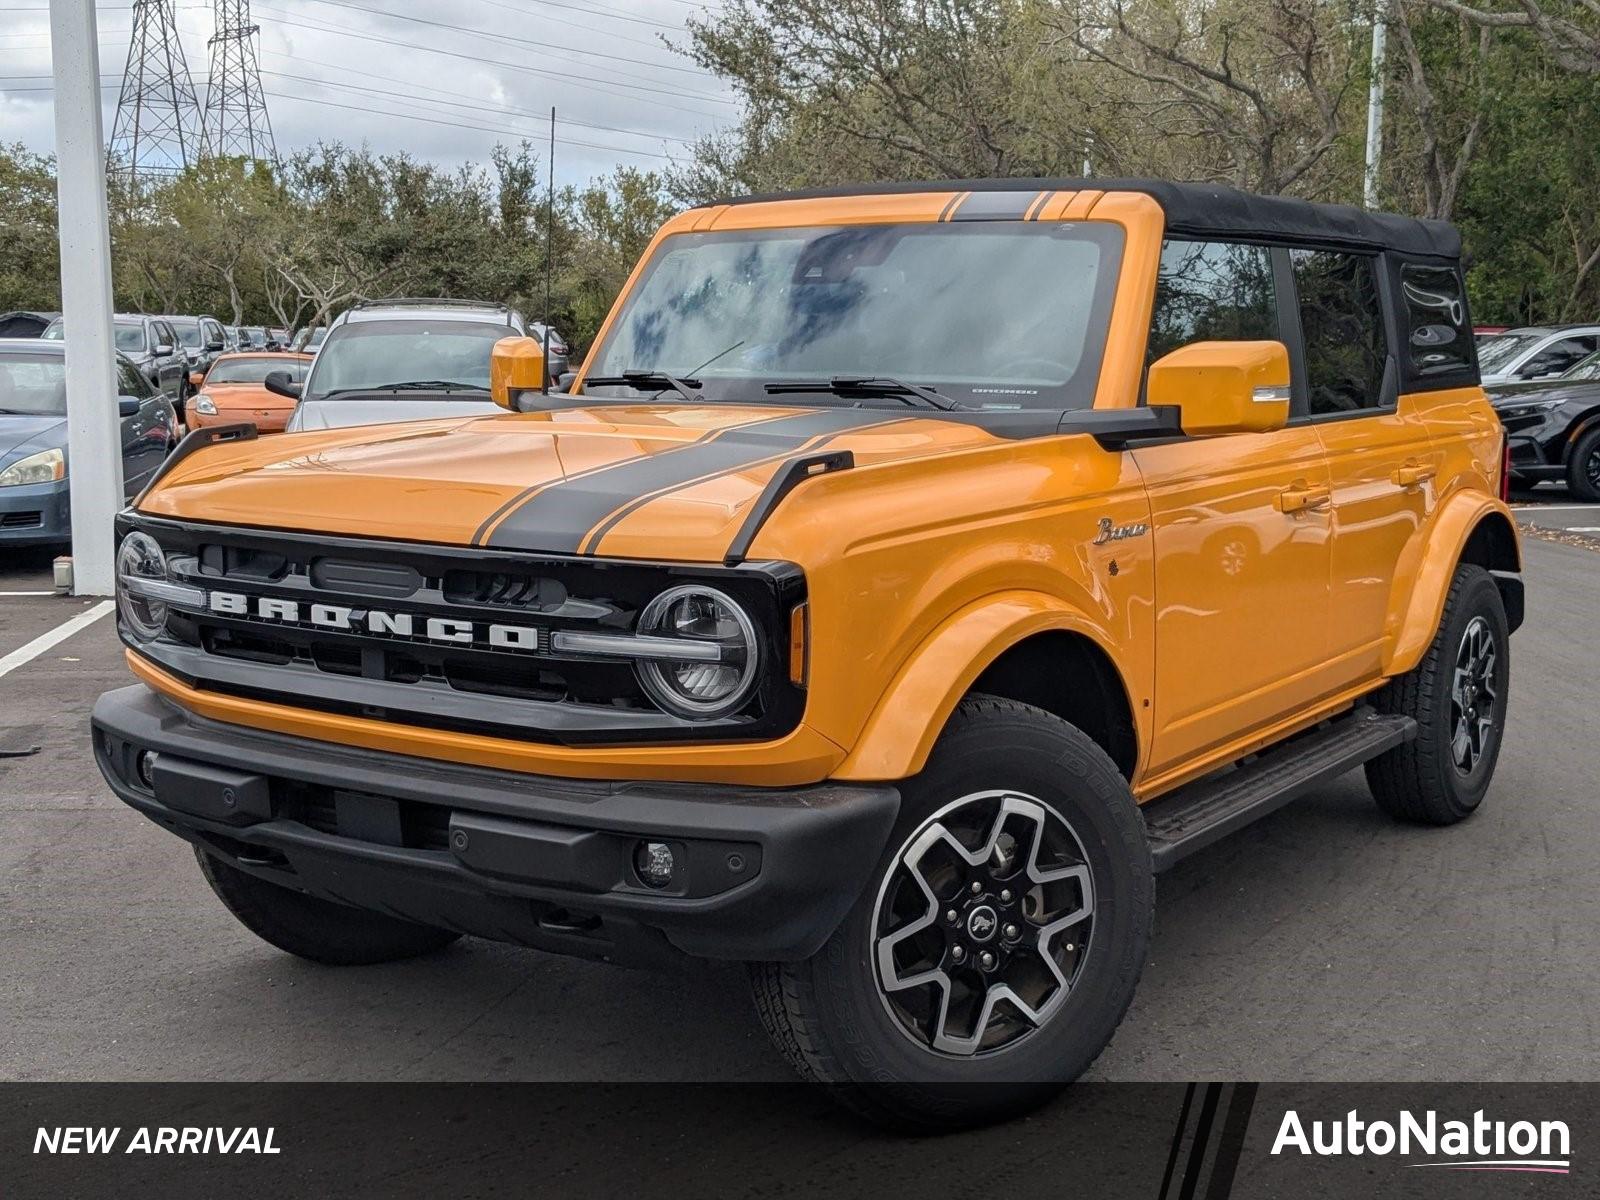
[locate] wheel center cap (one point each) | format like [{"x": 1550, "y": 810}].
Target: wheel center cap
[{"x": 981, "y": 923}]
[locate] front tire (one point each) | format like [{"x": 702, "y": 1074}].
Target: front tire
[
  {"x": 997, "y": 946},
  {"x": 320, "y": 930},
  {"x": 1583, "y": 468},
  {"x": 1457, "y": 696}
]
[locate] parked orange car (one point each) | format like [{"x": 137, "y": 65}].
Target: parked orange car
[{"x": 234, "y": 390}]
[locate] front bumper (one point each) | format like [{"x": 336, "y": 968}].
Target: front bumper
[
  {"x": 764, "y": 874},
  {"x": 35, "y": 514}
]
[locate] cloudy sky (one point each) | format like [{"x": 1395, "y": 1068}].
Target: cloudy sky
[{"x": 443, "y": 80}]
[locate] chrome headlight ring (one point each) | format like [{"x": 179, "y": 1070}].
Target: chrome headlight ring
[{"x": 699, "y": 686}]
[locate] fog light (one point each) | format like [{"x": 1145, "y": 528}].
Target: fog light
[
  {"x": 655, "y": 863},
  {"x": 144, "y": 765}
]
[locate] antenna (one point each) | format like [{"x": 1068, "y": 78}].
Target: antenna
[
  {"x": 549, "y": 239},
  {"x": 157, "y": 129},
  {"x": 235, "y": 123}
]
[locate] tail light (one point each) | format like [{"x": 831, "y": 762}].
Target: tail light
[{"x": 1505, "y": 468}]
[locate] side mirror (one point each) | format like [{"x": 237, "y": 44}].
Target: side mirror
[
  {"x": 164, "y": 350},
  {"x": 564, "y": 381},
  {"x": 127, "y": 406},
  {"x": 196, "y": 378},
  {"x": 1224, "y": 387},
  {"x": 217, "y": 345},
  {"x": 280, "y": 384},
  {"x": 515, "y": 365}
]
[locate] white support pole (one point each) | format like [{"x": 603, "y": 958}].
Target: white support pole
[
  {"x": 94, "y": 434},
  {"x": 1380, "y": 39}
]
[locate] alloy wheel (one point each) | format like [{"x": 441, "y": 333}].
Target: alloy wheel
[
  {"x": 1473, "y": 702},
  {"x": 983, "y": 923}
]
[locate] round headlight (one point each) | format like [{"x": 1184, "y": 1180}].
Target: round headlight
[
  {"x": 702, "y": 684},
  {"x": 139, "y": 559}
]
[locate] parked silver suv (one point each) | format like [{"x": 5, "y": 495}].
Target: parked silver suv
[{"x": 402, "y": 360}]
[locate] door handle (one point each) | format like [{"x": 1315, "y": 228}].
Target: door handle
[
  {"x": 1301, "y": 497},
  {"x": 1411, "y": 473}
]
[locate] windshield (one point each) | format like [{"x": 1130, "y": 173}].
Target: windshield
[
  {"x": 996, "y": 315},
  {"x": 373, "y": 355},
  {"x": 1497, "y": 353},
  {"x": 129, "y": 335},
  {"x": 35, "y": 384},
  {"x": 255, "y": 370}
]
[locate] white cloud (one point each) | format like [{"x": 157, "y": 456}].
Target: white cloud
[{"x": 442, "y": 81}]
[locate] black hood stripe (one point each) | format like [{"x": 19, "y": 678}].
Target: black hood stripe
[
  {"x": 481, "y": 534},
  {"x": 559, "y": 518},
  {"x": 592, "y": 542}
]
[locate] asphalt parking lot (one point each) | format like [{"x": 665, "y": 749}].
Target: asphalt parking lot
[{"x": 1322, "y": 944}]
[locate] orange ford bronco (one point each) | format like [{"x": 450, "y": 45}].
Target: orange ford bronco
[{"x": 911, "y": 575}]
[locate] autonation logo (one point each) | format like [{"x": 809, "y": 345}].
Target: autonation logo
[{"x": 1476, "y": 1145}]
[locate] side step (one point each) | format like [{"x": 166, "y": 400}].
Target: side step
[{"x": 1202, "y": 812}]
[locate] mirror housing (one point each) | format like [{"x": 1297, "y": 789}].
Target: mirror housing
[
  {"x": 516, "y": 365},
  {"x": 127, "y": 406},
  {"x": 164, "y": 349},
  {"x": 279, "y": 384},
  {"x": 196, "y": 378},
  {"x": 1224, "y": 387}
]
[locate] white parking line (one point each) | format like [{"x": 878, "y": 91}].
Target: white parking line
[
  {"x": 1554, "y": 507},
  {"x": 55, "y": 637},
  {"x": 27, "y": 593},
  {"x": 1584, "y": 529}
]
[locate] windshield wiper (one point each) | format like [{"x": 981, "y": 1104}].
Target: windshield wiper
[
  {"x": 423, "y": 385},
  {"x": 651, "y": 381},
  {"x": 865, "y": 385}
]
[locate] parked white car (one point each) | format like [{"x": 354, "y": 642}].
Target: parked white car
[{"x": 1535, "y": 352}]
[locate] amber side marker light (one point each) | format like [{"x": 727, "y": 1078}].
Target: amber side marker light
[{"x": 798, "y": 627}]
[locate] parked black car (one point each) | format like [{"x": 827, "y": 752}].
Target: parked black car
[
  {"x": 23, "y": 323},
  {"x": 151, "y": 344},
  {"x": 34, "y": 506},
  {"x": 1553, "y": 430}
]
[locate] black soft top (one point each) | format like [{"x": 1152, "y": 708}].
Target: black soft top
[{"x": 1212, "y": 210}]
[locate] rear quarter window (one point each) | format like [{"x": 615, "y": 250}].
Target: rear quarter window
[{"x": 1438, "y": 331}]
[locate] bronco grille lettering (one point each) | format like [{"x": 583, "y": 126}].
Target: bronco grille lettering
[{"x": 449, "y": 630}]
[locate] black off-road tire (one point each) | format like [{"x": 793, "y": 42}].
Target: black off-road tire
[
  {"x": 827, "y": 1015},
  {"x": 332, "y": 934},
  {"x": 1419, "y": 781},
  {"x": 1582, "y": 481}
]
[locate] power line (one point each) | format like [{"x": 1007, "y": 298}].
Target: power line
[
  {"x": 505, "y": 37},
  {"x": 461, "y": 124},
  {"x": 483, "y": 108},
  {"x": 577, "y": 80}
]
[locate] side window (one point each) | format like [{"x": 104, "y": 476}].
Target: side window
[
  {"x": 1440, "y": 340},
  {"x": 1341, "y": 319},
  {"x": 130, "y": 382},
  {"x": 1555, "y": 358},
  {"x": 165, "y": 335},
  {"x": 1212, "y": 291}
]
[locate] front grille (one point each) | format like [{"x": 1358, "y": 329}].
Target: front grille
[
  {"x": 332, "y": 642},
  {"x": 21, "y": 520}
]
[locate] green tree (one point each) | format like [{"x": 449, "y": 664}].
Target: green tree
[{"x": 30, "y": 257}]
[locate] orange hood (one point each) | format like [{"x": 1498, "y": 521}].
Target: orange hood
[{"x": 641, "y": 481}]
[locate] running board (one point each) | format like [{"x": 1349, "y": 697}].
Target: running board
[{"x": 1211, "y": 808}]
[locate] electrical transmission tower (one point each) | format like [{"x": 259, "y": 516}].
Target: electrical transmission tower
[
  {"x": 157, "y": 130},
  {"x": 236, "y": 123}
]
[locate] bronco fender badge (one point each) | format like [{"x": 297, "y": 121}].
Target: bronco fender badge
[{"x": 1110, "y": 532}]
